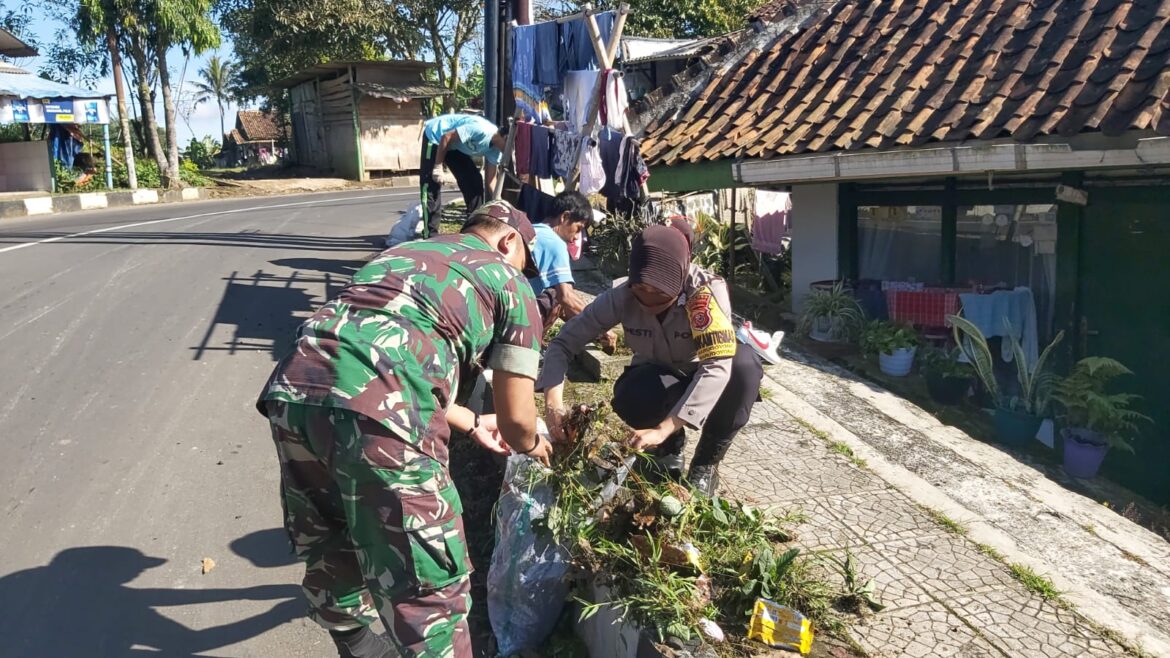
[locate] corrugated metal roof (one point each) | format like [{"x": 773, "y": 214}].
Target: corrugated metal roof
[
  {"x": 880, "y": 74},
  {"x": 22, "y": 84},
  {"x": 331, "y": 68},
  {"x": 12, "y": 46},
  {"x": 417, "y": 90}
]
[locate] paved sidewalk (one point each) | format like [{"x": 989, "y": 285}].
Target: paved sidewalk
[{"x": 948, "y": 589}]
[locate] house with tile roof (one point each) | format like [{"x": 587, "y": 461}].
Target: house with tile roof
[
  {"x": 972, "y": 145},
  {"x": 257, "y": 138}
]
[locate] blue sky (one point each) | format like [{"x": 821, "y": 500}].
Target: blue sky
[{"x": 204, "y": 120}]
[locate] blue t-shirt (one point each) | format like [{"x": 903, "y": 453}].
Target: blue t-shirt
[
  {"x": 552, "y": 259},
  {"x": 475, "y": 134}
]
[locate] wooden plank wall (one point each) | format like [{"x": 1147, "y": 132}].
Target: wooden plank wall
[{"x": 391, "y": 134}]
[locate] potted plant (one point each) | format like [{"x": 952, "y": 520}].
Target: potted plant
[
  {"x": 895, "y": 346},
  {"x": 1018, "y": 417},
  {"x": 831, "y": 315},
  {"x": 947, "y": 379},
  {"x": 1094, "y": 421}
]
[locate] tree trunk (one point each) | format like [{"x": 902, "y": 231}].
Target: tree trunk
[
  {"x": 149, "y": 124},
  {"x": 123, "y": 115},
  {"x": 171, "y": 179},
  {"x": 222, "y": 125}
]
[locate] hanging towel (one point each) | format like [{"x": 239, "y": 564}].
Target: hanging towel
[
  {"x": 540, "y": 162},
  {"x": 576, "y": 49},
  {"x": 577, "y": 91},
  {"x": 548, "y": 45},
  {"x": 614, "y": 101},
  {"x": 592, "y": 172},
  {"x": 523, "y": 54},
  {"x": 522, "y": 149},
  {"x": 566, "y": 150}
]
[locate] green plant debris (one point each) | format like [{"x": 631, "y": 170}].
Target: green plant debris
[
  {"x": 991, "y": 552},
  {"x": 1034, "y": 582},
  {"x": 670, "y": 556},
  {"x": 766, "y": 393},
  {"x": 843, "y": 449},
  {"x": 947, "y": 523},
  {"x": 815, "y": 431}
]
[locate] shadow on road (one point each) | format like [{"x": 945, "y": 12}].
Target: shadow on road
[
  {"x": 345, "y": 268},
  {"x": 80, "y": 605},
  {"x": 265, "y": 549},
  {"x": 251, "y": 239},
  {"x": 264, "y": 310}
]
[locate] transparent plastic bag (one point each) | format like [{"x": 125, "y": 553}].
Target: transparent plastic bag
[
  {"x": 407, "y": 228},
  {"x": 526, "y": 583}
]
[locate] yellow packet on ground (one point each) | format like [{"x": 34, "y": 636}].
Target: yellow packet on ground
[{"x": 780, "y": 627}]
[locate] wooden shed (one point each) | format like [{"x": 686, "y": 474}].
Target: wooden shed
[{"x": 360, "y": 120}]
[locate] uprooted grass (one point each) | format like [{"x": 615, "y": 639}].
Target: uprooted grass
[{"x": 671, "y": 557}]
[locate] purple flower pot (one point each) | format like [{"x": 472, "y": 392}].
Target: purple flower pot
[{"x": 1084, "y": 451}]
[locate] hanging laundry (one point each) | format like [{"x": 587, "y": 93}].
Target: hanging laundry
[
  {"x": 576, "y": 48},
  {"x": 540, "y": 161},
  {"x": 522, "y": 151},
  {"x": 625, "y": 169},
  {"x": 610, "y": 149},
  {"x": 592, "y": 172},
  {"x": 566, "y": 151},
  {"x": 578, "y": 90},
  {"x": 614, "y": 101},
  {"x": 523, "y": 53},
  {"x": 548, "y": 47},
  {"x": 536, "y": 204}
]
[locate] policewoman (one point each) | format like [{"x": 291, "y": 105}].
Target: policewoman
[{"x": 688, "y": 369}]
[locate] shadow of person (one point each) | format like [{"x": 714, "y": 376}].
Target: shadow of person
[
  {"x": 266, "y": 549},
  {"x": 79, "y": 605}
]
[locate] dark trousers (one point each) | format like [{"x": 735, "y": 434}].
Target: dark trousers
[
  {"x": 646, "y": 394},
  {"x": 466, "y": 174}
]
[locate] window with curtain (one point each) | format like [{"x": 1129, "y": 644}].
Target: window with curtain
[
  {"x": 900, "y": 243},
  {"x": 1006, "y": 246}
]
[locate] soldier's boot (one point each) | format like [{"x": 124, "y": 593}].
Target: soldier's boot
[
  {"x": 704, "y": 478},
  {"x": 363, "y": 643}
]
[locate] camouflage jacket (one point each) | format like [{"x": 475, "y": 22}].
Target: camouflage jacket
[{"x": 395, "y": 344}]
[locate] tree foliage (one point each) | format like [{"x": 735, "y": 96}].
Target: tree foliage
[{"x": 684, "y": 18}]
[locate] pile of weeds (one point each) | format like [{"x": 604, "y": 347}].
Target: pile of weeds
[{"x": 670, "y": 557}]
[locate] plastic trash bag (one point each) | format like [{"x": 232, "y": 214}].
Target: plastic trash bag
[
  {"x": 407, "y": 228},
  {"x": 526, "y": 582}
]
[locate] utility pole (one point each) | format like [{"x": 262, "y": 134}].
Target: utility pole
[
  {"x": 123, "y": 116},
  {"x": 491, "y": 60}
]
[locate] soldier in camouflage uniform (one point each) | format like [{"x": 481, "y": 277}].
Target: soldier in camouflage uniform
[{"x": 361, "y": 412}]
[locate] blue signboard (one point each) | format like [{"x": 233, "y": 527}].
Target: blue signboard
[
  {"x": 59, "y": 112},
  {"x": 20, "y": 111},
  {"x": 91, "y": 112}
]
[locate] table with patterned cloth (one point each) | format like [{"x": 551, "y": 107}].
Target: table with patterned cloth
[{"x": 927, "y": 308}]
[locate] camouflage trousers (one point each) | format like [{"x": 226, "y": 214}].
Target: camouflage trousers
[{"x": 378, "y": 527}]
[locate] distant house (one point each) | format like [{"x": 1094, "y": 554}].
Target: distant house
[
  {"x": 957, "y": 145},
  {"x": 360, "y": 119},
  {"x": 258, "y": 138}
]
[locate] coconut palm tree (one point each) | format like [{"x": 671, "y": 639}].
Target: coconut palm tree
[{"x": 219, "y": 83}]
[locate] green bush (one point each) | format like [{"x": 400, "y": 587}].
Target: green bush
[
  {"x": 67, "y": 179},
  {"x": 146, "y": 168},
  {"x": 189, "y": 173}
]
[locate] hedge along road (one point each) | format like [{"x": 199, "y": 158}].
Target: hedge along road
[{"x": 132, "y": 346}]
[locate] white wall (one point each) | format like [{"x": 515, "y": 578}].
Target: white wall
[
  {"x": 814, "y": 237},
  {"x": 24, "y": 167}
]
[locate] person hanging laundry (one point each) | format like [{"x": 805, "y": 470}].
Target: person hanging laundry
[
  {"x": 453, "y": 140},
  {"x": 361, "y": 411},
  {"x": 688, "y": 369}
]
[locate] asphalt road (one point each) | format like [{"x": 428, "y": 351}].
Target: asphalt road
[{"x": 130, "y": 358}]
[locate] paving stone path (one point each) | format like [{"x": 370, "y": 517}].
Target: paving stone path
[{"x": 944, "y": 596}]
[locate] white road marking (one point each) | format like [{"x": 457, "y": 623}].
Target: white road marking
[{"x": 206, "y": 214}]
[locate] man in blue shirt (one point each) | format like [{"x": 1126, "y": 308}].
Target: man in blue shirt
[
  {"x": 556, "y": 296},
  {"x": 453, "y": 140}
]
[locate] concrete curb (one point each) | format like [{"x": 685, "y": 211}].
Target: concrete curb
[
  {"x": 1094, "y": 605},
  {"x": 46, "y": 205}
]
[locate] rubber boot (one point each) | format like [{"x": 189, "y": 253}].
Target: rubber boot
[{"x": 363, "y": 643}]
